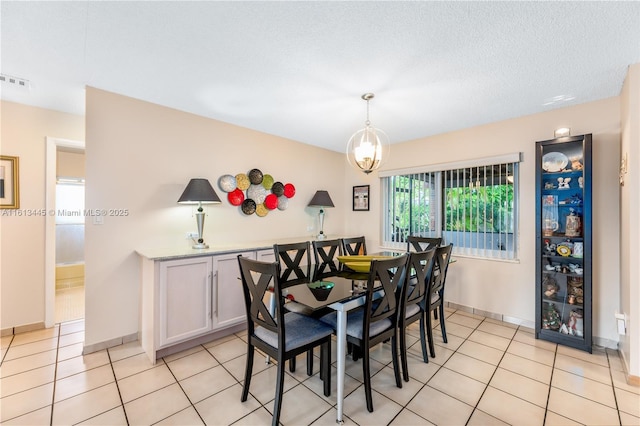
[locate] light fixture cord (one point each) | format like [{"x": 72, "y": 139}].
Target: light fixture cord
[{"x": 367, "y": 123}]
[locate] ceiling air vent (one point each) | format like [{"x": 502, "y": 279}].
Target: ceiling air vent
[{"x": 14, "y": 81}]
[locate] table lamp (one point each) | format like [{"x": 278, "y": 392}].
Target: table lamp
[
  {"x": 321, "y": 199},
  {"x": 199, "y": 191}
]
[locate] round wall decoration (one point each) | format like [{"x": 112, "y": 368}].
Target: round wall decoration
[
  {"x": 267, "y": 181},
  {"x": 227, "y": 183},
  {"x": 271, "y": 201},
  {"x": 235, "y": 197},
  {"x": 255, "y": 176},
  {"x": 278, "y": 188},
  {"x": 242, "y": 181},
  {"x": 289, "y": 190},
  {"x": 255, "y": 192},
  {"x": 283, "y": 202},
  {"x": 261, "y": 210},
  {"x": 248, "y": 206}
]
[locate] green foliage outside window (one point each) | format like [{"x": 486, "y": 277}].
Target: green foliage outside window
[
  {"x": 411, "y": 207},
  {"x": 485, "y": 208}
]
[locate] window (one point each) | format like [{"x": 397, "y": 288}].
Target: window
[{"x": 471, "y": 204}]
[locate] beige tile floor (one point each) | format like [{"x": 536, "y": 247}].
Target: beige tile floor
[
  {"x": 490, "y": 373},
  {"x": 69, "y": 304}
]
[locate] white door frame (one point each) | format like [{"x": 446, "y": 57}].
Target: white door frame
[{"x": 52, "y": 145}]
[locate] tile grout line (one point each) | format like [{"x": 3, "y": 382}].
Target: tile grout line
[
  {"x": 221, "y": 364},
  {"x": 440, "y": 366},
  {"x": 182, "y": 389},
  {"x": 613, "y": 388},
  {"x": 553, "y": 368},
  {"x": 55, "y": 376},
  {"x": 475, "y": 407},
  {"x": 115, "y": 379}
]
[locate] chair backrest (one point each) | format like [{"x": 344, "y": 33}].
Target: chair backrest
[
  {"x": 256, "y": 278},
  {"x": 391, "y": 274},
  {"x": 441, "y": 266},
  {"x": 294, "y": 258},
  {"x": 354, "y": 246},
  {"x": 418, "y": 276},
  {"x": 422, "y": 243},
  {"x": 325, "y": 253}
]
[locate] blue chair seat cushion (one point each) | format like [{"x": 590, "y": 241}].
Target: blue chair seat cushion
[
  {"x": 355, "y": 320},
  {"x": 412, "y": 310},
  {"x": 299, "y": 331}
]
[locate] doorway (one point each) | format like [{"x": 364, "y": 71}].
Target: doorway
[
  {"x": 69, "y": 299},
  {"x": 57, "y": 149}
]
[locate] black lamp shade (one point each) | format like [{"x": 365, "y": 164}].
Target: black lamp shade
[
  {"x": 321, "y": 199},
  {"x": 199, "y": 191}
]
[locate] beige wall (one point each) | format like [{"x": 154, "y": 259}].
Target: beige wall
[
  {"x": 140, "y": 157},
  {"x": 630, "y": 225},
  {"x": 509, "y": 288},
  {"x": 70, "y": 164},
  {"x": 23, "y": 133},
  {"x": 156, "y": 150}
]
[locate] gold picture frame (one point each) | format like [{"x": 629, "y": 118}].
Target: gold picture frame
[{"x": 9, "y": 185}]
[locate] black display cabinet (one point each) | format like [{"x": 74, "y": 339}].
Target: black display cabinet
[{"x": 563, "y": 241}]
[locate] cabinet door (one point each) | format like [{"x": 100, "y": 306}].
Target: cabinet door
[
  {"x": 228, "y": 295},
  {"x": 266, "y": 255},
  {"x": 185, "y": 308}
]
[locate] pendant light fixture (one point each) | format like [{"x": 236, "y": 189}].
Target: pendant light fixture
[{"x": 368, "y": 147}]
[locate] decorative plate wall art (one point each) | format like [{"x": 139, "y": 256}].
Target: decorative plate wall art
[{"x": 256, "y": 192}]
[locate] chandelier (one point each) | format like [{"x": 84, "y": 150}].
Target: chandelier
[{"x": 369, "y": 146}]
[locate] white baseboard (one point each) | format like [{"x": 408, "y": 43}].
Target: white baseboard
[{"x": 109, "y": 343}]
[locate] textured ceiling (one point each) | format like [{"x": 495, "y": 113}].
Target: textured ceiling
[{"x": 298, "y": 69}]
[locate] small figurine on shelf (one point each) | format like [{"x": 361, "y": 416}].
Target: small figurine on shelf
[
  {"x": 576, "y": 164},
  {"x": 575, "y": 290},
  {"x": 549, "y": 185},
  {"x": 573, "y": 224},
  {"x": 563, "y": 183},
  {"x": 581, "y": 182},
  {"x": 550, "y": 286},
  {"x": 576, "y": 324},
  {"x": 550, "y": 317},
  {"x": 549, "y": 247}
]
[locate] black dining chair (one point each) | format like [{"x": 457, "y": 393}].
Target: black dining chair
[
  {"x": 378, "y": 321},
  {"x": 325, "y": 253},
  {"x": 294, "y": 260},
  {"x": 422, "y": 243},
  {"x": 282, "y": 335},
  {"x": 412, "y": 302},
  {"x": 435, "y": 298},
  {"x": 354, "y": 246}
]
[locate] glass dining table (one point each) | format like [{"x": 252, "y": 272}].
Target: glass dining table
[{"x": 314, "y": 289}]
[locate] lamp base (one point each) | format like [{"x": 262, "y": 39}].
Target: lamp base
[
  {"x": 321, "y": 236},
  {"x": 200, "y": 246}
]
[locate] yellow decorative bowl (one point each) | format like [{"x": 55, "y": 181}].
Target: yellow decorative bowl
[
  {"x": 361, "y": 258},
  {"x": 360, "y": 263},
  {"x": 358, "y": 266}
]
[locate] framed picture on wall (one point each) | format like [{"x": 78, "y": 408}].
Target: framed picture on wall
[
  {"x": 9, "y": 188},
  {"x": 361, "y": 198}
]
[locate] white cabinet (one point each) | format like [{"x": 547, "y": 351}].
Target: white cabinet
[
  {"x": 185, "y": 299},
  {"x": 190, "y": 300},
  {"x": 266, "y": 256},
  {"x": 228, "y": 295}
]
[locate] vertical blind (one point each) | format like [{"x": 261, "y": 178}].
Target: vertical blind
[{"x": 472, "y": 206}]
